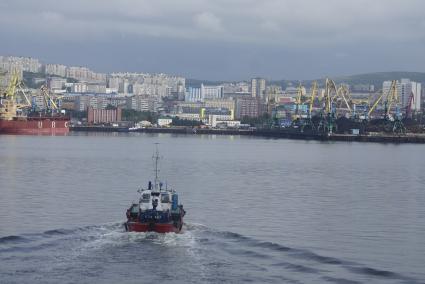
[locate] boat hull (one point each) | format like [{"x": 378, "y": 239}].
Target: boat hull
[
  {"x": 35, "y": 126},
  {"x": 132, "y": 226}
]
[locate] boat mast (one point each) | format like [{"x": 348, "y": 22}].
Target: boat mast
[{"x": 156, "y": 158}]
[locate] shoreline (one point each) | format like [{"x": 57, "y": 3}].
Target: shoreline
[{"x": 267, "y": 133}]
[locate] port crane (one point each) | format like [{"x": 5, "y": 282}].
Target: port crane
[
  {"x": 14, "y": 100},
  {"x": 327, "y": 116},
  {"x": 392, "y": 115},
  {"x": 342, "y": 100},
  {"x": 308, "y": 123},
  {"x": 298, "y": 102},
  {"x": 410, "y": 103},
  {"x": 16, "y": 92},
  {"x": 52, "y": 103}
]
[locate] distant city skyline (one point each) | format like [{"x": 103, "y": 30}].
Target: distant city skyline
[{"x": 220, "y": 40}]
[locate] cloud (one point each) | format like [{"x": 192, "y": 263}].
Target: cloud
[
  {"x": 248, "y": 33},
  {"x": 208, "y": 22},
  {"x": 269, "y": 22}
]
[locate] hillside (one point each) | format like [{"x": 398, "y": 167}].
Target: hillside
[{"x": 375, "y": 79}]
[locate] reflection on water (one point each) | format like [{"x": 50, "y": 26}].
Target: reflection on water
[{"x": 271, "y": 210}]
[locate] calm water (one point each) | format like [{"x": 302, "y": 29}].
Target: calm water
[{"x": 262, "y": 211}]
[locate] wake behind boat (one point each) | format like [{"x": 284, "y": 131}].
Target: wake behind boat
[{"x": 158, "y": 209}]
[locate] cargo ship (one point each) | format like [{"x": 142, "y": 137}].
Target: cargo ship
[
  {"x": 18, "y": 118},
  {"x": 157, "y": 210},
  {"x": 35, "y": 125}
]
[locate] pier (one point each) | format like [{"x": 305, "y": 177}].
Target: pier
[{"x": 268, "y": 133}]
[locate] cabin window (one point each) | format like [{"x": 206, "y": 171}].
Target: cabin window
[
  {"x": 165, "y": 198},
  {"x": 135, "y": 209},
  {"x": 146, "y": 197}
]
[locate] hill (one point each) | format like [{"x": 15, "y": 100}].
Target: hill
[{"x": 375, "y": 79}]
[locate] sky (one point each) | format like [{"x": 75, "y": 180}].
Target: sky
[{"x": 220, "y": 39}]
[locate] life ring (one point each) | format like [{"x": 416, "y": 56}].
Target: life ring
[
  {"x": 66, "y": 124},
  {"x": 53, "y": 124}
]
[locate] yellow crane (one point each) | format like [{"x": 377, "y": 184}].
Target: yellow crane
[
  {"x": 393, "y": 98},
  {"x": 48, "y": 99},
  {"x": 15, "y": 85},
  {"x": 314, "y": 93},
  {"x": 330, "y": 88},
  {"x": 298, "y": 101},
  {"x": 388, "y": 98},
  {"x": 11, "y": 104},
  {"x": 343, "y": 93}
]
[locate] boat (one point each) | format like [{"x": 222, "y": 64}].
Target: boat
[
  {"x": 157, "y": 210},
  {"x": 17, "y": 114},
  {"x": 35, "y": 125}
]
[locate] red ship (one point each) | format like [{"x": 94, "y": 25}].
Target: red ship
[
  {"x": 14, "y": 117},
  {"x": 35, "y": 125},
  {"x": 157, "y": 210}
]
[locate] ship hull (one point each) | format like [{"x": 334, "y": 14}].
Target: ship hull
[
  {"x": 35, "y": 126},
  {"x": 132, "y": 226}
]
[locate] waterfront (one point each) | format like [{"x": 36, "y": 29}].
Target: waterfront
[{"x": 259, "y": 209}]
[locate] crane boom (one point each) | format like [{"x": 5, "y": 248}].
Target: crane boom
[{"x": 313, "y": 95}]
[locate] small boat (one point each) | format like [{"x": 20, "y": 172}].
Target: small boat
[{"x": 158, "y": 209}]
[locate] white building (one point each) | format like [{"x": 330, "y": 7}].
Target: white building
[
  {"x": 164, "y": 121},
  {"x": 204, "y": 93},
  {"x": 20, "y": 63},
  {"x": 79, "y": 88},
  {"x": 55, "y": 69},
  {"x": 211, "y": 92},
  {"x": 142, "y": 103},
  {"x": 193, "y": 95},
  {"x": 405, "y": 89},
  {"x": 214, "y": 119},
  {"x": 189, "y": 116},
  {"x": 56, "y": 83},
  {"x": 258, "y": 88}
]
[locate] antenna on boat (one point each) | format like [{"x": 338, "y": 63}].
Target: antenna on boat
[{"x": 156, "y": 159}]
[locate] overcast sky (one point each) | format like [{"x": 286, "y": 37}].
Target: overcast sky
[{"x": 220, "y": 39}]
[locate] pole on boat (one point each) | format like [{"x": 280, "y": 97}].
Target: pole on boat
[{"x": 156, "y": 158}]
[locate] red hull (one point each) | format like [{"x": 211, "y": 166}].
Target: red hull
[
  {"x": 132, "y": 226},
  {"x": 36, "y": 126}
]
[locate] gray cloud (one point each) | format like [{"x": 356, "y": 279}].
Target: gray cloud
[{"x": 326, "y": 27}]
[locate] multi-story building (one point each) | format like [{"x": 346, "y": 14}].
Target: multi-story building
[
  {"x": 96, "y": 116},
  {"x": 55, "y": 83},
  {"x": 123, "y": 86},
  {"x": 114, "y": 83},
  {"x": 211, "y": 92},
  {"x": 159, "y": 85},
  {"x": 227, "y": 104},
  {"x": 142, "y": 103},
  {"x": 96, "y": 88},
  {"x": 240, "y": 87},
  {"x": 27, "y": 64},
  {"x": 193, "y": 95},
  {"x": 258, "y": 88},
  {"x": 249, "y": 107},
  {"x": 82, "y": 102},
  {"x": 55, "y": 69},
  {"x": 84, "y": 74},
  {"x": 203, "y": 93},
  {"x": 79, "y": 88},
  {"x": 7, "y": 69},
  {"x": 406, "y": 90}
]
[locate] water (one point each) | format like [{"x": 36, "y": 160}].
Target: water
[{"x": 259, "y": 210}]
